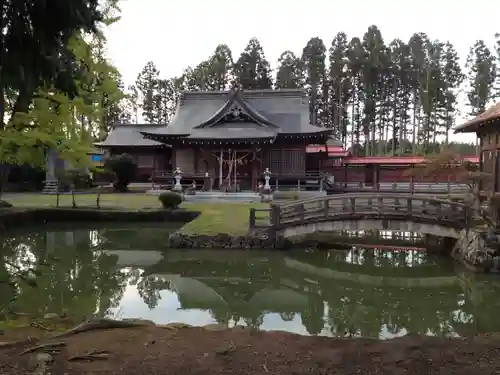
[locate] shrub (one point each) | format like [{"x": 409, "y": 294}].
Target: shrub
[
  {"x": 124, "y": 168},
  {"x": 73, "y": 179},
  {"x": 170, "y": 199},
  {"x": 5, "y": 204}
]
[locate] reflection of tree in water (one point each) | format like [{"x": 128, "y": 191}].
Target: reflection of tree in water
[
  {"x": 366, "y": 310},
  {"x": 313, "y": 316},
  {"x": 69, "y": 278},
  {"x": 151, "y": 236},
  {"x": 221, "y": 314},
  {"x": 480, "y": 304},
  {"x": 354, "y": 305},
  {"x": 149, "y": 289},
  {"x": 287, "y": 316},
  {"x": 237, "y": 305},
  {"x": 254, "y": 321},
  {"x": 16, "y": 264}
]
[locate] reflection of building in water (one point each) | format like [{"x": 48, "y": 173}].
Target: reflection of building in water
[
  {"x": 383, "y": 257},
  {"x": 208, "y": 292},
  {"x": 369, "y": 293},
  {"x": 65, "y": 238},
  {"x": 82, "y": 238},
  {"x": 383, "y": 234},
  {"x": 135, "y": 258}
]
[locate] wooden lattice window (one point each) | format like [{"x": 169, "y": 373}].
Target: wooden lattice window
[{"x": 275, "y": 161}]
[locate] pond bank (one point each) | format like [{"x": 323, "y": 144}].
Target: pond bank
[
  {"x": 179, "y": 240},
  {"x": 478, "y": 250},
  {"x": 13, "y": 218},
  {"x": 213, "y": 349}
]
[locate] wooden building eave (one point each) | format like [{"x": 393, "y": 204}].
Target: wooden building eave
[{"x": 486, "y": 119}]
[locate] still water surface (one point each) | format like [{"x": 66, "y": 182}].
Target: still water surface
[{"x": 123, "y": 271}]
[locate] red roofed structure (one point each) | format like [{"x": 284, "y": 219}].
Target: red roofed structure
[{"x": 371, "y": 170}]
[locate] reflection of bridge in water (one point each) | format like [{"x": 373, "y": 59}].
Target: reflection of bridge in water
[
  {"x": 332, "y": 291},
  {"x": 361, "y": 211}
]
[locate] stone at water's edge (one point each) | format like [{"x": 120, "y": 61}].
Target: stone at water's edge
[
  {"x": 478, "y": 250},
  {"x": 225, "y": 241}
]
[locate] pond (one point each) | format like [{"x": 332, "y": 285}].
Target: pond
[{"x": 124, "y": 271}]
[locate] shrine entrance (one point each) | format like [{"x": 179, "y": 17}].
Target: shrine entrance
[{"x": 237, "y": 170}]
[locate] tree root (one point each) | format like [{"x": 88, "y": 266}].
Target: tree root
[
  {"x": 48, "y": 346},
  {"x": 102, "y": 323},
  {"x": 89, "y": 325}
]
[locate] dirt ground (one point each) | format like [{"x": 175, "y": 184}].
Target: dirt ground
[{"x": 184, "y": 350}]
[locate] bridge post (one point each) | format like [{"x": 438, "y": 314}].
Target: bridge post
[
  {"x": 275, "y": 215},
  {"x": 251, "y": 220},
  {"x": 353, "y": 204},
  {"x": 274, "y": 223}
]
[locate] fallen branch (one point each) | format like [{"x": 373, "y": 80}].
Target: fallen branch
[
  {"x": 90, "y": 356},
  {"x": 46, "y": 346},
  {"x": 41, "y": 326}
]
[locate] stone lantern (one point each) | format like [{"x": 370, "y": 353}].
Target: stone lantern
[
  {"x": 177, "y": 178},
  {"x": 266, "y": 194}
]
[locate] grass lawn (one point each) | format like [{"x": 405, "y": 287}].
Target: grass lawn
[{"x": 231, "y": 218}]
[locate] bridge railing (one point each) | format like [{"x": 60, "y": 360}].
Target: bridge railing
[
  {"x": 359, "y": 206},
  {"x": 260, "y": 218},
  {"x": 407, "y": 187}
]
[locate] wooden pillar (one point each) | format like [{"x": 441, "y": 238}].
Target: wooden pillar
[
  {"x": 174, "y": 157},
  {"x": 412, "y": 182},
  {"x": 196, "y": 158},
  {"x": 282, "y": 162},
  {"x": 221, "y": 157},
  {"x": 480, "y": 155},
  {"x": 155, "y": 167},
  {"x": 495, "y": 171},
  {"x": 345, "y": 175},
  {"x": 254, "y": 170}
]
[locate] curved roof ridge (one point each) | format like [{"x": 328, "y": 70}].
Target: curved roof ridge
[
  {"x": 256, "y": 115},
  {"x": 217, "y": 116},
  {"x": 235, "y": 97}
]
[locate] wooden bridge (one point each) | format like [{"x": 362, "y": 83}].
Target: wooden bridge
[{"x": 362, "y": 211}]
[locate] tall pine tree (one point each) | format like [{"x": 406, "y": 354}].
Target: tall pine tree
[
  {"x": 290, "y": 73},
  {"x": 314, "y": 60},
  {"x": 148, "y": 86},
  {"x": 252, "y": 71}
]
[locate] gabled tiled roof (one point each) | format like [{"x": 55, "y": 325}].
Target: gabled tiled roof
[
  {"x": 122, "y": 135},
  {"x": 270, "y": 112}
]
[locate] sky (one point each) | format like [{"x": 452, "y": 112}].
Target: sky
[{"x": 178, "y": 34}]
